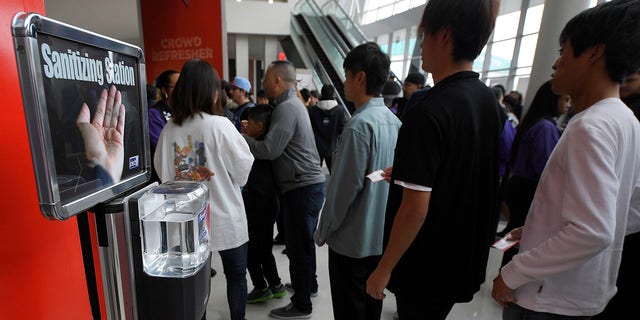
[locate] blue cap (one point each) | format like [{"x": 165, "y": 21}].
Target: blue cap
[{"x": 241, "y": 83}]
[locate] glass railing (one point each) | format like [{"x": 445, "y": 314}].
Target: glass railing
[
  {"x": 355, "y": 34},
  {"x": 329, "y": 42},
  {"x": 299, "y": 41}
]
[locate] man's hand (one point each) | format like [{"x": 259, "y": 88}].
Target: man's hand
[
  {"x": 377, "y": 282},
  {"x": 104, "y": 136},
  {"x": 501, "y": 293},
  {"x": 515, "y": 234},
  {"x": 386, "y": 173}
]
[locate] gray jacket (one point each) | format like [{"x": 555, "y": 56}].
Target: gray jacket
[{"x": 290, "y": 144}]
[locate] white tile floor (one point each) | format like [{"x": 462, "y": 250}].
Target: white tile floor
[{"x": 482, "y": 307}]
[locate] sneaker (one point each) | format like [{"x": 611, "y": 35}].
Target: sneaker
[
  {"x": 289, "y": 312},
  {"x": 290, "y": 288},
  {"x": 259, "y": 295},
  {"x": 278, "y": 290}
]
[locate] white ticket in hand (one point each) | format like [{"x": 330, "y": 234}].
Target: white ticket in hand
[
  {"x": 376, "y": 176},
  {"x": 504, "y": 244}
]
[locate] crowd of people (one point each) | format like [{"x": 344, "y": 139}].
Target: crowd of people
[{"x": 418, "y": 182}]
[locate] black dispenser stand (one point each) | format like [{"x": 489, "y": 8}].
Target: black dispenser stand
[{"x": 130, "y": 293}]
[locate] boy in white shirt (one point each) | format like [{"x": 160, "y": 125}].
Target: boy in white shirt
[{"x": 587, "y": 198}]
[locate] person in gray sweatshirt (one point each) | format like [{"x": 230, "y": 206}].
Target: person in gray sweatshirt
[{"x": 291, "y": 146}]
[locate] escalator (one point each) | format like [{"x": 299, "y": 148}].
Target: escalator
[
  {"x": 323, "y": 60},
  {"x": 333, "y": 21},
  {"x": 316, "y": 43},
  {"x": 320, "y": 40}
]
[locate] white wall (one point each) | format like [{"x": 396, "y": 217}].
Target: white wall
[{"x": 259, "y": 17}]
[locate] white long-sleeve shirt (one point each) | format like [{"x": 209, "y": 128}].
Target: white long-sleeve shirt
[
  {"x": 585, "y": 203},
  {"x": 203, "y": 146}
]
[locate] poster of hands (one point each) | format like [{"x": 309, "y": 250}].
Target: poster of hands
[{"x": 94, "y": 115}]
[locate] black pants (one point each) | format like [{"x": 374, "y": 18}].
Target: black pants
[
  {"x": 413, "y": 306},
  {"x": 519, "y": 194},
  {"x": 623, "y": 303},
  {"x": 348, "y": 277},
  {"x": 260, "y": 261},
  {"x": 301, "y": 208}
]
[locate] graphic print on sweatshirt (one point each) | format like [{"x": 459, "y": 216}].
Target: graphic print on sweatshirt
[{"x": 190, "y": 161}]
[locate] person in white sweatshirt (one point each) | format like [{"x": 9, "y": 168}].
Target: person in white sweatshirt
[
  {"x": 588, "y": 197},
  {"x": 200, "y": 144}
]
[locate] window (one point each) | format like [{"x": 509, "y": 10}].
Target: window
[{"x": 375, "y": 10}]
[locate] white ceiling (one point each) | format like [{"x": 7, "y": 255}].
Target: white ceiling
[{"x": 117, "y": 19}]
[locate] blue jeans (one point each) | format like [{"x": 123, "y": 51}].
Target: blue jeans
[
  {"x": 301, "y": 207},
  {"x": 516, "y": 312},
  {"x": 234, "y": 263}
]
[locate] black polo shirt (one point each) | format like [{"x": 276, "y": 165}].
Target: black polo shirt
[{"x": 449, "y": 142}]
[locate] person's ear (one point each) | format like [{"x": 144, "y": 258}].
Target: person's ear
[
  {"x": 596, "y": 52},
  {"x": 260, "y": 126},
  {"x": 361, "y": 77},
  {"x": 445, "y": 35}
]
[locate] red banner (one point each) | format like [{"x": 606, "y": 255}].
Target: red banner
[{"x": 176, "y": 31}]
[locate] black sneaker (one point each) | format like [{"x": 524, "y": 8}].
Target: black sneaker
[
  {"x": 259, "y": 295},
  {"x": 289, "y": 287},
  {"x": 289, "y": 312},
  {"x": 278, "y": 290}
]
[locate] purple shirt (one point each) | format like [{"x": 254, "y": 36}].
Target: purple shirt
[
  {"x": 157, "y": 120},
  {"x": 534, "y": 149},
  {"x": 506, "y": 140}
]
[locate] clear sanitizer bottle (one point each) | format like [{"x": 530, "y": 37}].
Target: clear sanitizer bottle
[{"x": 174, "y": 222}]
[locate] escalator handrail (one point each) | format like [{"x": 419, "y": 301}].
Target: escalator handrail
[
  {"x": 356, "y": 26},
  {"x": 335, "y": 68},
  {"x": 318, "y": 67},
  {"x": 306, "y": 59},
  {"x": 340, "y": 30},
  {"x": 342, "y": 46}
]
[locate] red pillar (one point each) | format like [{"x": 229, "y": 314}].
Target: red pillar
[
  {"x": 177, "y": 31},
  {"x": 41, "y": 268}
]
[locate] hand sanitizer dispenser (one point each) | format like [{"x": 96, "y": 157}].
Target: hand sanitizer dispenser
[{"x": 174, "y": 227}]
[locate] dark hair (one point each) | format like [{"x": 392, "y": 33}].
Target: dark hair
[
  {"x": 471, "y": 22},
  {"x": 152, "y": 94},
  {"x": 328, "y": 92},
  {"x": 510, "y": 102},
  {"x": 613, "y": 24},
  {"x": 195, "y": 91},
  {"x": 544, "y": 105},
  {"x": 261, "y": 113},
  {"x": 369, "y": 58},
  {"x": 223, "y": 97},
  {"x": 499, "y": 94},
  {"x": 164, "y": 79},
  {"x": 314, "y": 93},
  {"x": 304, "y": 92},
  {"x": 519, "y": 99},
  {"x": 416, "y": 78}
]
